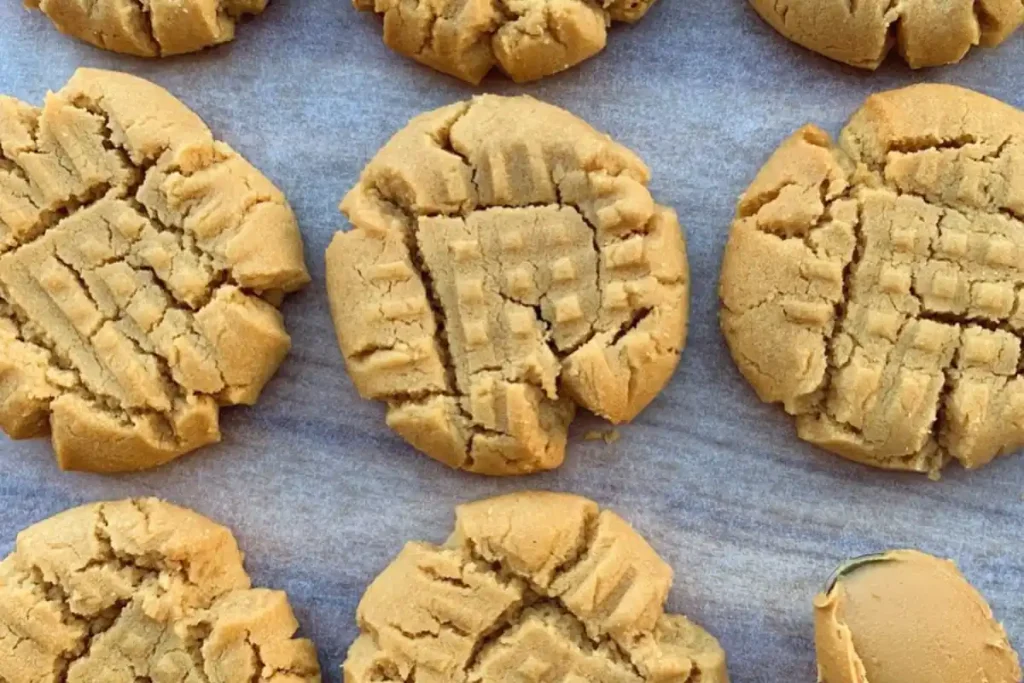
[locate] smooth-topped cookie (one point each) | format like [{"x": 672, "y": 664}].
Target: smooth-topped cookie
[
  {"x": 531, "y": 587},
  {"x": 526, "y": 39},
  {"x": 149, "y": 28},
  {"x": 140, "y": 265},
  {"x": 875, "y": 288},
  {"x": 141, "y": 590},
  {"x": 925, "y": 32},
  {"x": 506, "y": 263},
  {"x": 904, "y": 616}
]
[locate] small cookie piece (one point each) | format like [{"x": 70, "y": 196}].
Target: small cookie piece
[
  {"x": 530, "y": 587},
  {"x": 906, "y": 616},
  {"x": 874, "y": 288},
  {"x": 150, "y": 28},
  {"x": 925, "y": 32},
  {"x": 526, "y": 39},
  {"x": 140, "y": 265},
  {"x": 141, "y": 590},
  {"x": 506, "y": 264}
]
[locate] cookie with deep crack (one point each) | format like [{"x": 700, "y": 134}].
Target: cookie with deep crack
[
  {"x": 925, "y": 33},
  {"x": 506, "y": 264},
  {"x": 140, "y": 265},
  {"x": 526, "y": 39},
  {"x": 141, "y": 590},
  {"x": 875, "y": 288},
  {"x": 530, "y": 587},
  {"x": 154, "y": 28}
]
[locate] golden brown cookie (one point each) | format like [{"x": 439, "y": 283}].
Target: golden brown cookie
[
  {"x": 925, "y": 32},
  {"x": 507, "y": 263},
  {"x": 141, "y": 590},
  {"x": 526, "y": 39},
  {"x": 906, "y": 616},
  {"x": 875, "y": 288},
  {"x": 149, "y": 28},
  {"x": 140, "y": 265},
  {"x": 530, "y": 587}
]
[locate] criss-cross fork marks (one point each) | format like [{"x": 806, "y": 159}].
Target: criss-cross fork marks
[
  {"x": 483, "y": 317},
  {"x": 582, "y": 599},
  {"x": 913, "y": 283},
  {"x": 110, "y": 591},
  {"x": 134, "y": 276}
]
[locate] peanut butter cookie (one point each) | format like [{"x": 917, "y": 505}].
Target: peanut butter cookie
[
  {"x": 149, "y": 28},
  {"x": 507, "y": 263},
  {"x": 526, "y": 39},
  {"x": 140, "y": 261},
  {"x": 141, "y": 590},
  {"x": 925, "y": 32},
  {"x": 875, "y": 288},
  {"x": 530, "y": 587}
]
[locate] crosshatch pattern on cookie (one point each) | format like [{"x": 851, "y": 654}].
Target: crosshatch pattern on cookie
[
  {"x": 140, "y": 265},
  {"x": 530, "y": 587},
  {"x": 543, "y": 276},
  {"x": 913, "y": 356}
]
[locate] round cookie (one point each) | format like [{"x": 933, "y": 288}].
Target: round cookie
[
  {"x": 527, "y": 40},
  {"x": 925, "y": 32},
  {"x": 140, "y": 265},
  {"x": 507, "y": 263},
  {"x": 875, "y": 288},
  {"x": 906, "y": 616},
  {"x": 154, "y": 28},
  {"x": 531, "y": 586},
  {"x": 141, "y": 590}
]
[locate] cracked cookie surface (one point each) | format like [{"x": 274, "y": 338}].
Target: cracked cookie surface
[
  {"x": 139, "y": 260},
  {"x": 526, "y": 39},
  {"x": 924, "y": 32},
  {"x": 149, "y": 28},
  {"x": 876, "y": 288},
  {"x": 141, "y": 590},
  {"x": 530, "y": 587},
  {"x": 506, "y": 263}
]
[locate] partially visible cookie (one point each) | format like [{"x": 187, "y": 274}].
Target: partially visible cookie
[
  {"x": 149, "y": 28},
  {"x": 876, "y": 288},
  {"x": 506, "y": 264},
  {"x": 530, "y": 587},
  {"x": 141, "y": 590},
  {"x": 526, "y": 39},
  {"x": 925, "y": 32},
  {"x": 140, "y": 265}
]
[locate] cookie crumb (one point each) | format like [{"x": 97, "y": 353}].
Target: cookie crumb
[{"x": 609, "y": 436}]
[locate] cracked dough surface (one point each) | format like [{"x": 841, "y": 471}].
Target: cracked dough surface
[
  {"x": 876, "y": 288},
  {"x": 863, "y": 32},
  {"x": 526, "y": 39},
  {"x": 531, "y": 587},
  {"x": 139, "y": 260},
  {"x": 149, "y": 28},
  {"x": 506, "y": 263},
  {"x": 141, "y": 590}
]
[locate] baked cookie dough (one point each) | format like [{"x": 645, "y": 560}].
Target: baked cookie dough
[
  {"x": 140, "y": 262},
  {"x": 530, "y": 587},
  {"x": 149, "y": 28},
  {"x": 506, "y": 264},
  {"x": 875, "y": 288},
  {"x": 925, "y": 32},
  {"x": 526, "y": 39},
  {"x": 905, "y": 616},
  {"x": 141, "y": 590}
]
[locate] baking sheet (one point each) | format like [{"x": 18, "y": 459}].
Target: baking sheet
[{"x": 322, "y": 495}]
